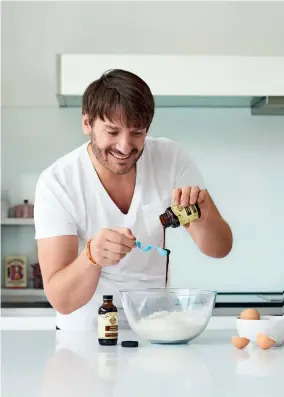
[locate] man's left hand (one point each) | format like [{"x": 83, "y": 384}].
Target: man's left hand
[
  {"x": 210, "y": 232},
  {"x": 190, "y": 195}
]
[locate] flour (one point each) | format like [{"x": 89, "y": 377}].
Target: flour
[{"x": 170, "y": 326}]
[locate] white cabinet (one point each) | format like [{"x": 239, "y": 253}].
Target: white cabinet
[{"x": 178, "y": 75}]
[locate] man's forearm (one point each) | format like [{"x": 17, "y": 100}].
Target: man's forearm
[
  {"x": 72, "y": 287},
  {"x": 213, "y": 236}
]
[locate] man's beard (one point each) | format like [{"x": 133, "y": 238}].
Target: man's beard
[{"x": 103, "y": 155}]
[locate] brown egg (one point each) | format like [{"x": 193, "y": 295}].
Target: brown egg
[
  {"x": 250, "y": 314},
  {"x": 264, "y": 342},
  {"x": 240, "y": 343}
]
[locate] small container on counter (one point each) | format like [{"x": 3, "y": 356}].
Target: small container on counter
[{"x": 107, "y": 322}]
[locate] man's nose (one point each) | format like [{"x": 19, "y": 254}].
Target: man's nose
[{"x": 124, "y": 146}]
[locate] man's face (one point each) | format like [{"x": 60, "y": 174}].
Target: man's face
[{"x": 116, "y": 146}]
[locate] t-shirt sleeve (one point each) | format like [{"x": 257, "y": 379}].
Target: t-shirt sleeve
[
  {"x": 52, "y": 209},
  {"x": 186, "y": 171}
]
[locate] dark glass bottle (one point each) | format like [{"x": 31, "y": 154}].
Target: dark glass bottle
[
  {"x": 107, "y": 322},
  {"x": 178, "y": 215}
]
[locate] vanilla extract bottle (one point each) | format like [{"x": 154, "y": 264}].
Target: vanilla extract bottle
[
  {"x": 107, "y": 322},
  {"x": 178, "y": 215}
]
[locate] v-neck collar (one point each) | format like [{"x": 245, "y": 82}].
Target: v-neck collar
[{"x": 99, "y": 187}]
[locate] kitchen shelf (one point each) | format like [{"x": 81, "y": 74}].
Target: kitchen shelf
[
  {"x": 22, "y": 292},
  {"x": 17, "y": 221},
  {"x": 25, "y": 297}
]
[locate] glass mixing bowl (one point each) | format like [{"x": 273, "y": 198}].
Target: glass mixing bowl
[{"x": 168, "y": 316}]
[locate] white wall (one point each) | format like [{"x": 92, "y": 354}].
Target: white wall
[
  {"x": 33, "y": 32},
  {"x": 240, "y": 156}
]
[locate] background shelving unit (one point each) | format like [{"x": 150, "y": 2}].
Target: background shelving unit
[
  {"x": 17, "y": 222},
  {"x": 17, "y": 238}
]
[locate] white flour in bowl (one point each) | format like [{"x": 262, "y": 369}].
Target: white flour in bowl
[{"x": 169, "y": 326}]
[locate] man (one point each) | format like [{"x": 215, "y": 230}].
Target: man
[{"x": 93, "y": 203}]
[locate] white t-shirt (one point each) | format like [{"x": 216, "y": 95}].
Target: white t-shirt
[{"x": 71, "y": 200}]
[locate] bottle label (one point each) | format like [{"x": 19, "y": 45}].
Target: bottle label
[
  {"x": 185, "y": 214},
  {"x": 108, "y": 325}
]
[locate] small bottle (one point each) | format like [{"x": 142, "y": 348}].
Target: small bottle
[
  {"x": 25, "y": 209},
  {"x": 107, "y": 322},
  {"x": 178, "y": 215}
]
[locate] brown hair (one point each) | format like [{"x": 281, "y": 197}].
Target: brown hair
[{"x": 119, "y": 94}]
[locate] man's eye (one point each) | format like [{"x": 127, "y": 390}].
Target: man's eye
[
  {"x": 112, "y": 133},
  {"x": 138, "y": 133}
]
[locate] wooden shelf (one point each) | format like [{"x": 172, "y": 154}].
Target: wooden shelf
[{"x": 18, "y": 221}]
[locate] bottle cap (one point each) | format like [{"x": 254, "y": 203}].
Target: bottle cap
[
  {"x": 107, "y": 297},
  {"x": 129, "y": 343}
]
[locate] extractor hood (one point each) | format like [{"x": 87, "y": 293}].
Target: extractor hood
[
  {"x": 270, "y": 106},
  {"x": 183, "y": 81}
]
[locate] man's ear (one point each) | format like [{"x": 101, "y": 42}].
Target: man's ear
[{"x": 87, "y": 129}]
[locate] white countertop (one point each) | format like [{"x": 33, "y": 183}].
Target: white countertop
[
  {"x": 73, "y": 364},
  {"x": 45, "y": 319}
]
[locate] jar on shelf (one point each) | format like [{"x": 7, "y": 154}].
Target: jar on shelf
[
  {"x": 25, "y": 210},
  {"x": 37, "y": 277},
  {"x": 16, "y": 271}
]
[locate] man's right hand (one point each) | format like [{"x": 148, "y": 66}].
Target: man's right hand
[{"x": 109, "y": 246}]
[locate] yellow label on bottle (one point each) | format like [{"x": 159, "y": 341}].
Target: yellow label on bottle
[
  {"x": 185, "y": 214},
  {"x": 108, "y": 325}
]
